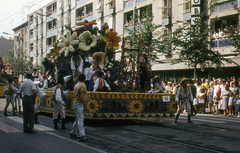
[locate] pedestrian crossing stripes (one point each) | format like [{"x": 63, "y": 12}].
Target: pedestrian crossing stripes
[
  {"x": 7, "y": 128},
  {"x": 36, "y": 126}
]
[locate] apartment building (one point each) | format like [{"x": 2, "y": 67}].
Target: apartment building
[
  {"x": 47, "y": 19},
  {"x": 21, "y": 40}
]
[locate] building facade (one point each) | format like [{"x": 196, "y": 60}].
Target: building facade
[
  {"x": 46, "y": 22},
  {"x": 21, "y": 40}
]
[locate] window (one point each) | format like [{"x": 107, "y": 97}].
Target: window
[
  {"x": 31, "y": 47},
  {"x": 31, "y": 33},
  {"x": 186, "y": 6},
  {"x": 25, "y": 30},
  {"x": 31, "y": 59},
  {"x": 165, "y": 8},
  {"x": 25, "y": 44},
  {"x": 31, "y": 19}
]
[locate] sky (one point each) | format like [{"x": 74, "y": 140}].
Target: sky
[{"x": 13, "y": 13}]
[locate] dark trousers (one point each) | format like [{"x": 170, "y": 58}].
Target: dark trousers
[
  {"x": 87, "y": 83},
  {"x": 28, "y": 112}
]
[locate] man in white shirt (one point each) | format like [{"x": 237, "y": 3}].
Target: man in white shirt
[
  {"x": 59, "y": 103},
  {"x": 101, "y": 84},
  {"x": 45, "y": 84},
  {"x": 87, "y": 65},
  {"x": 28, "y": 90}
]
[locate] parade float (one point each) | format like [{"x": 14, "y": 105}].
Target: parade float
[
  {"x": 127, "y": 100},
  {"x": 6, "y": 71}
]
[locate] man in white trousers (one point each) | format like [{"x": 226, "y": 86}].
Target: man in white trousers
[{"x": 80, "y": 90}]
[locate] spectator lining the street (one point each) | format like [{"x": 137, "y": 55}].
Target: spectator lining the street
[
  {"x": 235, "y": 96},
  {"x": 225, "y": 98},
  {"x": 210, "y": 96},
  {"x": 201, "y": 100},
  {"x": 230, "y": 105},
  {"x": 216, "y": 101}
]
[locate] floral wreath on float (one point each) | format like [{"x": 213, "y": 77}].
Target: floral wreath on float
[{"x": 87, "y": 38}]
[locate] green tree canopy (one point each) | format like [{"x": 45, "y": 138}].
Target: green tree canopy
[{"x": 194, "y": 46}]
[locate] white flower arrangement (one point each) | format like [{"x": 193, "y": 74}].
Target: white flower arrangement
[
  {"x": 87, "y": 41},
  {"x": 67, "y": 43}
]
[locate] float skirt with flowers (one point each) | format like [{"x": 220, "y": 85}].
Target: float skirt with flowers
[{"x": 119, "y": 105}]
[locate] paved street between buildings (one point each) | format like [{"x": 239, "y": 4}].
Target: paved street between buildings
[{"x": 208, "y": 133}]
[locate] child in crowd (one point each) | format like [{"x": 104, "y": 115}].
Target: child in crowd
[
  {"x": 216, "y": 101},
  {"x": 201, "y": 100},
  {"x": 230, "y": 105}
]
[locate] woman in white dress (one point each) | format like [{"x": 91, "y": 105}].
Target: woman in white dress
[{"x": 201, "y": 100}]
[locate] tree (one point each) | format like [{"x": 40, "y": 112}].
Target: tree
[
  {"x": 194, "y": 46},
  {"x": 152, "y": 38},
  {"x": 9, "y": 57}
]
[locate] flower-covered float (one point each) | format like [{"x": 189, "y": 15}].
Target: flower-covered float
[{"x": 124, "y": 101}]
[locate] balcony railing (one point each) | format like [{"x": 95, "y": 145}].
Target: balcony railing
[
  {"x": 89, "y": 18},
  {"x": 31, "y": 39},
  {"x": 52, "y": 32},
  {"x": 48, "y": 49},
  {"x": 129, "y": 4},
  {"x": 224, "y": 6},
  {"x": 140, "y": 1},
  {"x": 32, "y": 25},
  {"x": 31, "y": 53},
  {"x": 52, "y": 16},
  {"x": 221, "y": 43},
  {"x": 80, "y": 2}
]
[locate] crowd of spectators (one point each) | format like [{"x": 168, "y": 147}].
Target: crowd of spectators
[{"x": 219, "y": 96}]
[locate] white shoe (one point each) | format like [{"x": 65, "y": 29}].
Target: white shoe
[{"x": 238, "y": 116}]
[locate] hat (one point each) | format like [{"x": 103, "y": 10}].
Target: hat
[{"x": 35, "y": 69}]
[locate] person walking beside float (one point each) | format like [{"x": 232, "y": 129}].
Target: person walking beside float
[{"x": 184, "y": 97}]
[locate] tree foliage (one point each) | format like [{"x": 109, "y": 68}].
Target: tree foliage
[
  {"x": 150, "y": 34},
  {"x": 194, "y": 46}
]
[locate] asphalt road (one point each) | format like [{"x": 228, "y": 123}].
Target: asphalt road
[{"x": 208, "y": 133}]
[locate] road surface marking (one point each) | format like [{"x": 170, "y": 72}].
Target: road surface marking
[
  {"x": 203, "y": 120},
  {"x": 36, "y": 126},
  {"x": 7, "y": 128},
  {"x": 79, "y": 143}
]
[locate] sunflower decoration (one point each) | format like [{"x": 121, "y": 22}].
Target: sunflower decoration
[
  {"x": 136, "y": 106},
  {"x": 38, "y": 100},
  {"x": 87, "y": 41},
  {"x": 112, "y": 39},
  {"x": 86, "y": 23},
  {"x": 48, "y": 102},
  {"x": 172, "y": 106},
  {"x": 93, "y": 105},
  {"x": 66, "y": 43},
  {"x": 55, "y": 50}
]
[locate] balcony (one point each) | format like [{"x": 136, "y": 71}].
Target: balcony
[
  {"x": 89, "y": 18},
  {"x": 81, "y": 2},
  {"x": 221, "y": 43},
  {"x": 31, "y": 39},
  {"x": 51, "y": 32},
  {"x": 32, "y": 25},
  {"x": 31, "y": 53},
  {"x": 140, "y": 1},
  {"x": 48, "y": 49},
  {"x": 67, "y": 7},
  {"x": 52, "y": 16},
  {"x": 224, "y": 6},
  {"x": 129, "y": 4},
  {"x": 126, "y": 30}
]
